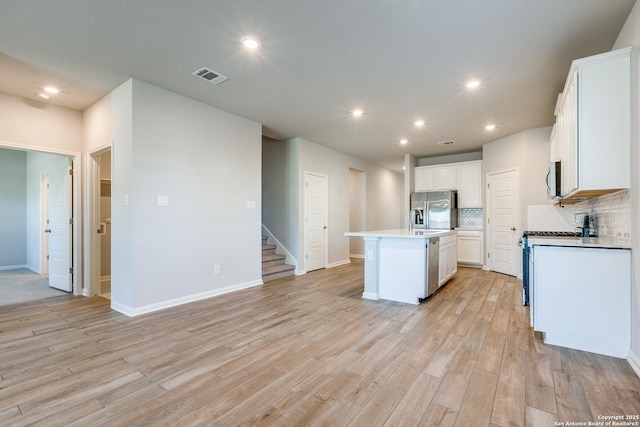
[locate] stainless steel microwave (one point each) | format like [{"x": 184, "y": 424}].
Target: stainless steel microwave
[{"x": 554, "y": 187}]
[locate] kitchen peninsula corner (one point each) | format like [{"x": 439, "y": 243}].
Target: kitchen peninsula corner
[{"x": 396, "y": 263}]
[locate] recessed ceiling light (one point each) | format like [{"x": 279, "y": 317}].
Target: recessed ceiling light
[
  {"x": 42, "y": 95},
  {"x": 403, "y": 141},
  {"x": 50, "y": 89},
  {"x": 490, "y": 127},
  {"x": 473, "y": 83},
  {"x": 419, "y": 123},
  {"x": 250, "y": 42},
  {"x": 357, "y": 113}
]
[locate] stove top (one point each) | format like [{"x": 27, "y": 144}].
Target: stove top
[{"x": 551, "y": 233}]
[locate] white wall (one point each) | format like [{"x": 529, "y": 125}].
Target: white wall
[
  {"x": 13, "y": 209},
  {"x": 284, "y": 167},
  {"x": 208, "y": 163},
  {"x": 39, "y": 125},
  {"x": 280, "y": 191},
  {"x": 110, "y": 122},
  {"x": 630, "y": 36},
  {"x": 357, "y": 210},
  {"x": 528, "y": 152},
  {"x": 384, "y": 196}
]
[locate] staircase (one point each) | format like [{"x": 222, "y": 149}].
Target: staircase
[{"x": 273, "y": 266}]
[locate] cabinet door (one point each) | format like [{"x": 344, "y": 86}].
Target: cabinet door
[
  {"x": 469, "y": 177},
  {"x": 469, "y": 250},
  {"x": 583, "y": 308},
  {"x": 453, "y": 259},
  {"x": 425, "y": 178},
  {"x": 446, "y": 177},
  {"x": 442, "y": 266}
]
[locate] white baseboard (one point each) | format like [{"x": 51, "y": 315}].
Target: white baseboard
[
  {"x": 14, "y": 267},
  {"x": 370, "y": 295},
  {"x": 634, "y": 361},
  {"x": 105, "y": 279},
  {"x": 361, "y": 256},
  {"x": 338, "y": 263},
  {"x": 137, "y": 311}
]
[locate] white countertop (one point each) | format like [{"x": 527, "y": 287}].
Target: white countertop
[
  {"x": 580, "y": 242},
  {"x": 401, "y": 233}
]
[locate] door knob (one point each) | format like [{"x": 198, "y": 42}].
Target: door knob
[
  {"x": 513, "y": 229},
  {"x": 48, "y": 230}
]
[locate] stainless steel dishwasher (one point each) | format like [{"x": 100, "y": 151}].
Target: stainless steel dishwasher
[{"x": 433, "y": 266}]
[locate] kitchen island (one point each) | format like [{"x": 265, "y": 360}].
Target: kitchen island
[{"x": 396, "y": 264}]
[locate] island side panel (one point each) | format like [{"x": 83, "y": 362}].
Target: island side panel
[
  {"x": 371, "y": 269},
  {"x": 402, "y": 269}
]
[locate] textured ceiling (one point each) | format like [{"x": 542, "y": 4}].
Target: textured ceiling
[{"x": 398, "y": 61}]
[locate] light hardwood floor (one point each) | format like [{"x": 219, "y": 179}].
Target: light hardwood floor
[{"x": 303, "y": 351}]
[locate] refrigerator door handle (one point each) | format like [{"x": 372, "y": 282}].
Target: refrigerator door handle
[{"x": 426, "y": 216}]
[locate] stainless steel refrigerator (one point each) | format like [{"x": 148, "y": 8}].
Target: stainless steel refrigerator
[{"x": 434, "y": 210}]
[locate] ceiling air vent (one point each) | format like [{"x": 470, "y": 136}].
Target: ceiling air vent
[
  {"x": 449, "y": 142},
  {"x": 210, "y": 75}
]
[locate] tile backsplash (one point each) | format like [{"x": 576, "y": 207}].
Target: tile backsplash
[
  {"x": 614, "y": 214},
  {"x": 613, "y": 211},
  {"x": 470, "y": 218}
]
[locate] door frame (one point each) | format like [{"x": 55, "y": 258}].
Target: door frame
[
  {"x": 92, "y": 201},
  {"x": 77, "y": 248},
  {"x": 326, "y": 211},
  {"x": 44, "y": 223},
  {"x": 489, "y": 228}
]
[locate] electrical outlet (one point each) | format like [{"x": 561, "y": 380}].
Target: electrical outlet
[{"x": 216, "y": 269}]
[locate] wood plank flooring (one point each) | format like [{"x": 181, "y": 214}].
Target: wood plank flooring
[{"x": 303, "y": 351}]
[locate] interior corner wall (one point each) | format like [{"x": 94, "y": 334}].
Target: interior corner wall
[
  {"x": 630, "y": 36},
  {"x": 110, "y": 121},
  {"x": 13, "y": 209},
  {"x": 384, "y": 196},
  {"x": 280, "y": 191},
  {"x": 195, "y": 198}
]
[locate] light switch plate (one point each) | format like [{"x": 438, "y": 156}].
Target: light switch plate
[
  {"x": 163, "y": 200},
  {"x": 251, "y": 204}
]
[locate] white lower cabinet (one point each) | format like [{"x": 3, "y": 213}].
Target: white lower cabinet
[
  {"x": 581, "y": 298},
  {"x": 448, "y": 258},
  {"x": 470, "y": 248}
]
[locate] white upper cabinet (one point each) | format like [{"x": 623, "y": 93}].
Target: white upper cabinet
[
  {"x": 469, "y": 178},
  {"x": 592, "y": 134},
  {"x": 426, "y": 178},
  {"x": 466, "y": 177}
]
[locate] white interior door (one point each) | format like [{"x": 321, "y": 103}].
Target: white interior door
[
  {"x": 61, "y": 237},
  {"x": 315, "y": 221},
  {"x": 503, "y": 219}
]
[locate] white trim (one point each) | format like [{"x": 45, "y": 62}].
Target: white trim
[
  {"x": 77, "y": 256},
  {"x": 92, "y": 200},
  {"x": 360, "y": 256},
  {"x": 371, "y": 296},
  {"x": 105, "y": 278},
  {"x": 289, "y": 259},
  {"x": 634, "y": 361},
  {"x": 16, "y": 267},
  {"x": 130, "y": 311},
  {"x": 338, "y": 263}
]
